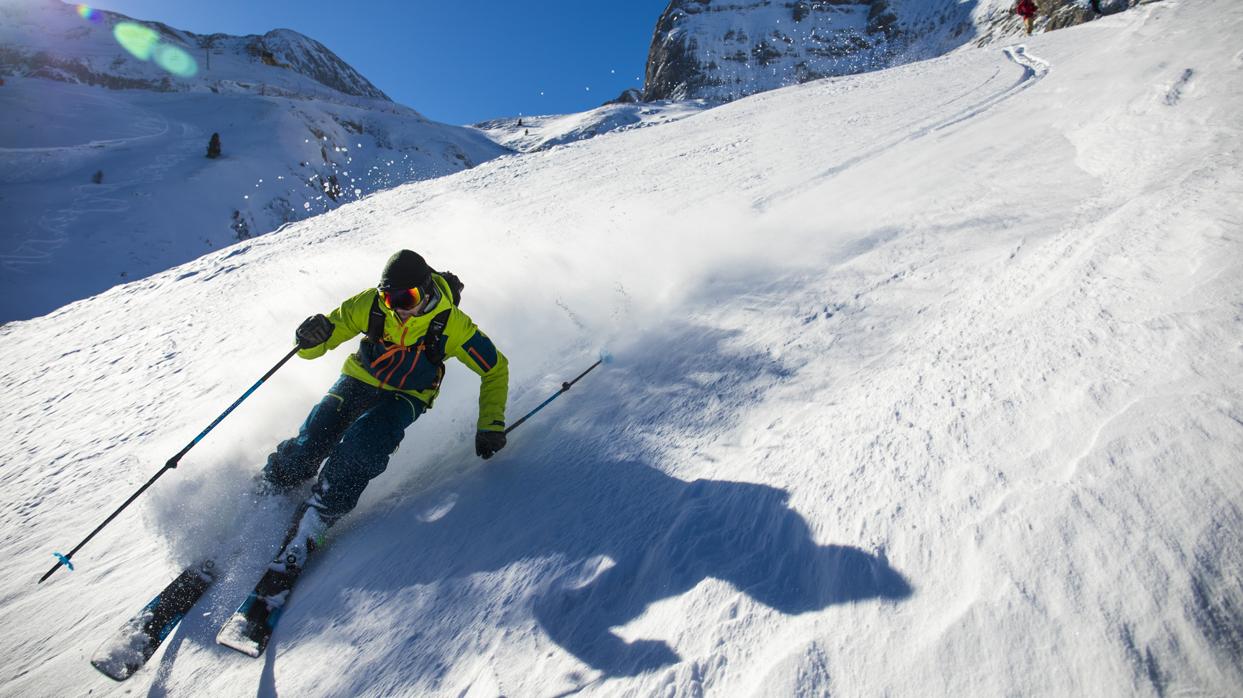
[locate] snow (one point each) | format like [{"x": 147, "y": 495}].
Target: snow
[
  {"x": 530, "y": 133},
  {"x": 160, "y": 202},
  {"x": 926, "y": 382}
]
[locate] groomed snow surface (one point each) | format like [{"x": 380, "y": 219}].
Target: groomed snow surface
[{"x": 926, "y": 382}]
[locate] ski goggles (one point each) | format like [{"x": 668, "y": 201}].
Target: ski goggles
[{"x": 403, "y": 299}]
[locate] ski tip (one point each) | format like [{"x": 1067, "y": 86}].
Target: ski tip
[
  {"x": 113, "y": 670},
  {"x": 249, "y": 649},
  {"x": 121, "y": 657},
  {"x": 236, "y": 634}
]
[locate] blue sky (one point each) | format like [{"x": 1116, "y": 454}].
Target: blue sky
[{"x": 457, "y": 62}]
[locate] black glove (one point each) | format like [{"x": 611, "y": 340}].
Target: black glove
[
  {"x": 313, "y": 332},
  {"x": 488, "y": 443}
]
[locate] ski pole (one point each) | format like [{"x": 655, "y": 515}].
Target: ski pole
[
  {"x": 172, "y": 463},
  {"x": 564, "y": 388}
]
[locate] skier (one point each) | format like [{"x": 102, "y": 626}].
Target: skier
[
  {"x": 412, "y": 324},
  {"x": 1027, "y": 10}
]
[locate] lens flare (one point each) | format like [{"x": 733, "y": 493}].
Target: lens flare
[
  {"x": 140, "y": 41},
  {"x": 175, "y": 61},
  {"x": 143, "y": 43},
  {"x": 88, "y": 13}
]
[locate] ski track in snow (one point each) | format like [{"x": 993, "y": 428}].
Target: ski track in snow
[
  {"x": 1034, "y": 70},
  {"x": 961, "y": 418},
  {"x": 33, "y": 253}
]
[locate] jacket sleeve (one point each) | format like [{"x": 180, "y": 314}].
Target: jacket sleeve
[
  {"x": 468, "y": 344},
  {"x": 348, "y": 321}
]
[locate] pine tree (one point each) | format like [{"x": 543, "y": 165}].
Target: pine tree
[{"x": 213, "y": 146}]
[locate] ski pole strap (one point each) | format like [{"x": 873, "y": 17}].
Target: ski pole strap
[{"x": 564, "y": 387}]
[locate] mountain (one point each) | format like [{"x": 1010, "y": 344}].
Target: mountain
[
  {"x": 926, "y": 382},
  {"x": 57, "y": 41},
  {"x": 534, "y": 133},
  {"x": 721, "y": 50},
  {"x": 104, "y": 177}
]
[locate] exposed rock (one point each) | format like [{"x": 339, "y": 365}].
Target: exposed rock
[
  {"x": 302, "y": 54},
  {"x": 629, "y": 96},
  {"x": 721, "y": 50}
]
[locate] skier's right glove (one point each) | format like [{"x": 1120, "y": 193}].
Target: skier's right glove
[
  {"x": 313, "y": 331},
  {"x": 487, "y": 443}
]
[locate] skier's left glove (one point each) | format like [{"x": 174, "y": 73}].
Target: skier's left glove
[
  {"x": 313, "y": 332},
  {"x": 487, "y": 443}
]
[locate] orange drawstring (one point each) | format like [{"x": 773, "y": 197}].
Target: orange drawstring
[
  {"x": 402, "y": 383},
  {"x": 393, "y": 351}
]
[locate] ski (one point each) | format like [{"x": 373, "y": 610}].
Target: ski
[
  {"x": 250, "y": 627},
  {"x": 126, "y": 652}
]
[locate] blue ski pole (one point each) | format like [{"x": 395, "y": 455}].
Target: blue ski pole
[
  {"x": 564, "y": 387},
  {"x": 172, "y": 463}
]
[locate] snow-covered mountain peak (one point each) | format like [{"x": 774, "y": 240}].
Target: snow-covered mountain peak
[
  {"x": 532, "y": 133},
  {"x": 306, "y": 56},
  {"x": 52, "y": 40}
]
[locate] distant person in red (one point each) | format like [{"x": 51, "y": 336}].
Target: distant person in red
[{"x": 1027, "y": 10}]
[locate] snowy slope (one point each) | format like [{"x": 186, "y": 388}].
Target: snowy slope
[
  {"x": 927, "y": 382},
  {"x": 78, "y": 107},
  {"x": 530, "y": 133}
]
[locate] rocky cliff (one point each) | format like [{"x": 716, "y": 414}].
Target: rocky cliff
[{"x": 721, "y": 50}]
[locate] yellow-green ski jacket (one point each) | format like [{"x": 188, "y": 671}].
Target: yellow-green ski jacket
[{"x": 399, "y": 361}]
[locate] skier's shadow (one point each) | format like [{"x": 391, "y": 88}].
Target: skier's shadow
[
  {"x": 663, "y": 535},
  {"x": 742, "y": 534},
  {"x": 615, "y": 534},
  {"x": 616, "y": 537}
]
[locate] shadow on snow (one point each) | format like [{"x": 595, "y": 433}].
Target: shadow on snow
[{"x": 584, "y": 487}]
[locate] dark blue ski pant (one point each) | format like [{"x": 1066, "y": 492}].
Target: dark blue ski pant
[{"x": 357, "y": 427}]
